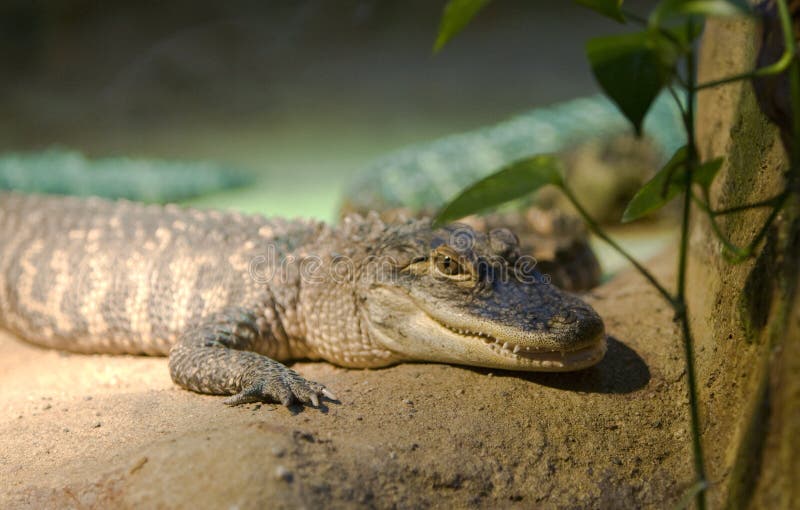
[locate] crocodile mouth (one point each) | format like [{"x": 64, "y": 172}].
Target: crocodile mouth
[
  {"x": 555, "y": 360},
  {"x": 415, "y": 330}
]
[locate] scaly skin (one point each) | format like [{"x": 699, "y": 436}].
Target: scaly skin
[
  {"x": 66, "y": 172},
  {"x": 228, "y": 297},
  {"x": 425, "y": 176}
]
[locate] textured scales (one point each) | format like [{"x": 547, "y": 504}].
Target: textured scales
[
  {"x": 605, "y": 166},
  {"x": 228, "y": 296},
  {"x": 425, "y": 176},
  {"x": 557, "y": 240},
  {"x": 67, "y": 172}
]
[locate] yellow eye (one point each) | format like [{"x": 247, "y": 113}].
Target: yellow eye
[{"x": 447, "y": 265}]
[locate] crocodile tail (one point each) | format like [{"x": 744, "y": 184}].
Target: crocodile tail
[{"x": 65, "y": 172}]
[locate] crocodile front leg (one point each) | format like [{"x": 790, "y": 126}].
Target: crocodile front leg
[{"x": 216, "y": 357}]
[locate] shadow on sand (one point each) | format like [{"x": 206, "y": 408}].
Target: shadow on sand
[{"x": 621, "y": 371}]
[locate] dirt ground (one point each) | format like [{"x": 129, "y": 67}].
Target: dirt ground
[{"x": 81, "y": 431}]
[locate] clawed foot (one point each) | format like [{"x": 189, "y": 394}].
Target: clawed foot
[{"x": 286, "y": 387}]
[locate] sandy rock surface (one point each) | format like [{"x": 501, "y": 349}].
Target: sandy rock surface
[{"x": 81, "y": 431}]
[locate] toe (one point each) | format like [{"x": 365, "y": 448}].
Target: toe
[
  {"x": 252, "y": 394},
  {"x": 305, "y": 392},
  {"x": 284, "y": 395}
]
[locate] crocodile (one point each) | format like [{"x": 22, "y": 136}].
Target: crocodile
[
  {"x": 604, "y": 163},
  {"x": 556, "y": 239},
  {"x": 68, "y": 172},
  {"x": 230, "y": 297}
]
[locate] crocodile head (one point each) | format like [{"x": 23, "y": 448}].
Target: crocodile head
[{"x": 455, "y": 295}]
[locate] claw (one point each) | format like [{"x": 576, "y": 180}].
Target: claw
[{"x": 305, "y": 392}]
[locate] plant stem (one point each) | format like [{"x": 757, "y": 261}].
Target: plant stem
[
  {"x": 772, "y": 215},
  {"x": 770, "y": 202},
  {"x": 776, "y": 68},
  {"x": 738, "y": 252},
  {"x": 642, "y": 21},
  {"x": 598, "y": 231},
  {"x": 691, "y": 379},
  {"x": 678, "y": 102},
  {"x": 789, "y": 61},
  {"x": 680, "y": 298},
  {"x": 794, "y": 88}
]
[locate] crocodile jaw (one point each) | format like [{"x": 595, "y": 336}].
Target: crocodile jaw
[{"x": 396, "y": 322}]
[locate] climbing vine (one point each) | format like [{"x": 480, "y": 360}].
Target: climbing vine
[{"x": 632, "y": 69}]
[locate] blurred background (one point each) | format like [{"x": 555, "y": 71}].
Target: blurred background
[{"x": 302, "y": 93}]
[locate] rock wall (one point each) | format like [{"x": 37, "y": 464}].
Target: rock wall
[{"x": 744, "y": 315}]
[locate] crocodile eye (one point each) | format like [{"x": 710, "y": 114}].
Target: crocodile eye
[{"x": 448, "y": 266}]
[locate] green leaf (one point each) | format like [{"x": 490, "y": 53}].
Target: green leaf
[
  {"x": 668, "y": 9},
  {"x": 656, "y": 193},
  {"x": 652, "y": 196},
  {"x": 609, "y": 8},
  {"x": 705, "y": 173},
  {"x": 513, "y": 181},
  {"x": 457, "y": 14},
  {"x": 632, "y": 69},
  {"x": 683, "y": 36}
]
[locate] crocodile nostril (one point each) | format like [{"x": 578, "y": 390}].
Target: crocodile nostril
[{"x": 566, "y": 317}]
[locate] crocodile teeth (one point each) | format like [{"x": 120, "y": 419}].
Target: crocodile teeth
[
  {"x": 492, "y": 342},
  {"x": 489, "y": 340}
]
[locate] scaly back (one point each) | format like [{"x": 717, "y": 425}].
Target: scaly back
[{"x": 122, "y": 277}]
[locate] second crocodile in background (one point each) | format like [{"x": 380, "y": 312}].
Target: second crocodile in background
[{"x": 228, "y": 296}]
